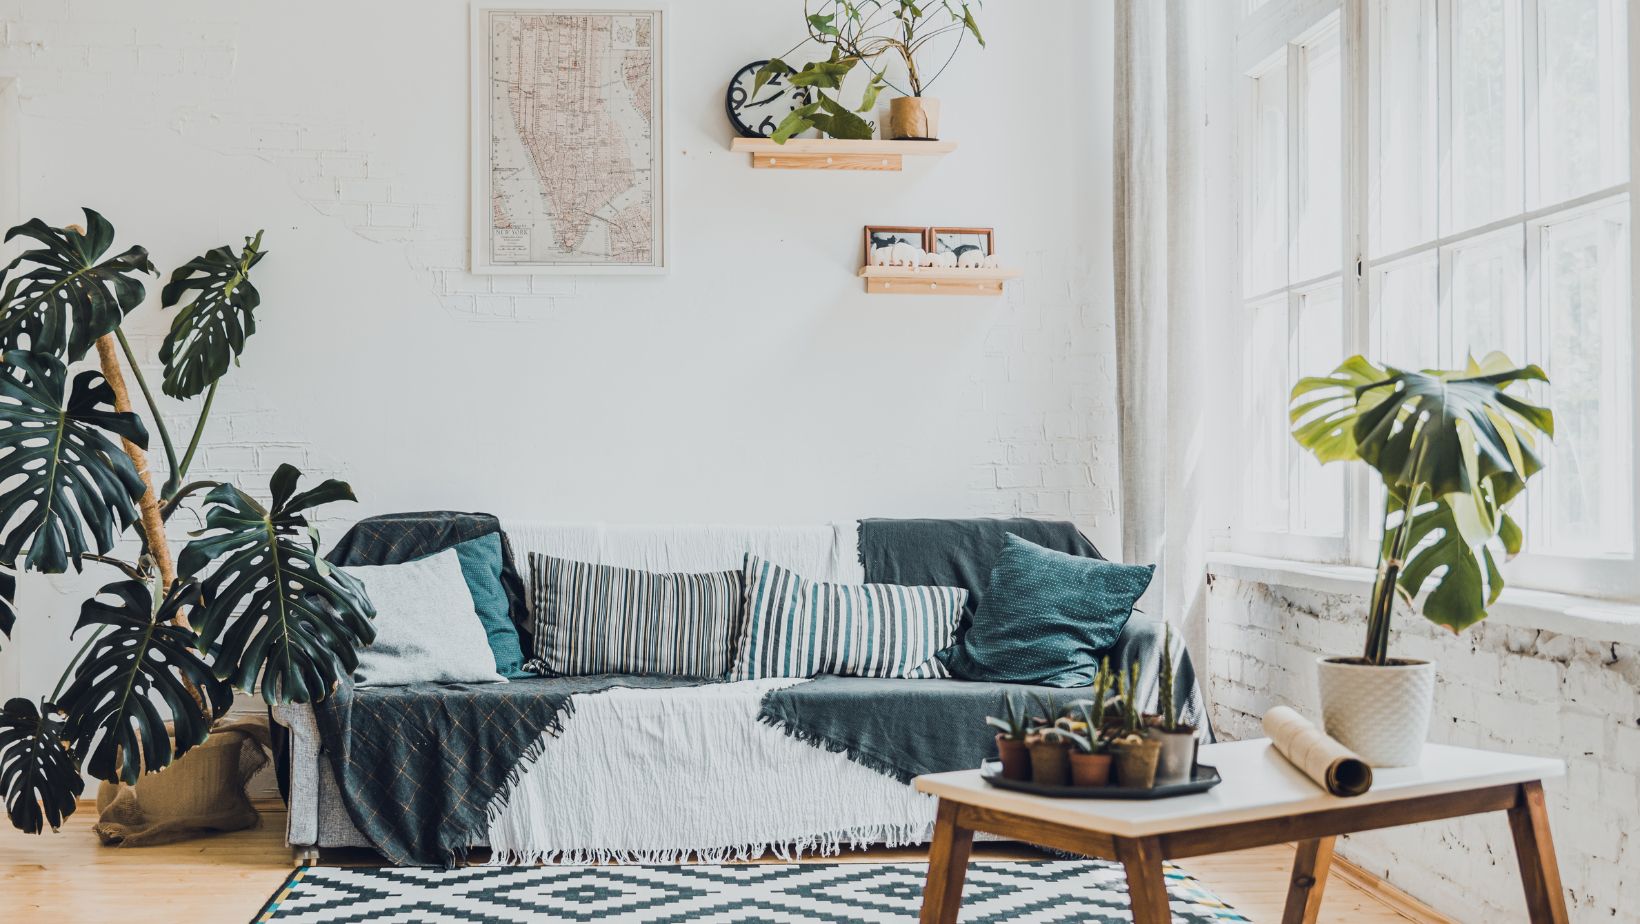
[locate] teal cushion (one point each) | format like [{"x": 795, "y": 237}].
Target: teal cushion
[
  {"x": 481, "y": 566},
  {"x": 1047, "y": 617}
]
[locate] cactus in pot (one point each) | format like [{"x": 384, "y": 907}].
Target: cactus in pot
[
  {"x": 1011, "y": 732},
  {"x": 1135, "y": 754},
  {"x": 1176, "y": 762},
  {"x": 1050, "y": 752}
]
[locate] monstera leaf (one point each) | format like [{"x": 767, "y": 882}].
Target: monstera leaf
[
  {"x": 209, "y": 332},
  {"x": 38, "y": 778},
  {"x": 272, "y": 607},
  {"x": 65, "y": 299},
  {"x": 64, "y": 476},
  {"x": 139, "y": 658},
  {"x": 1455, "y": 448}
]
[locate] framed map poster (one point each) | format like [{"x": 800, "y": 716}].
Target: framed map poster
[{"x": 569, "y": 137}]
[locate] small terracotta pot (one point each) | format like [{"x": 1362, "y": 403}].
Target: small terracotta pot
[
  {"x": 1050, "y": 761},
  {"x": 1136, "y": 763},
  {"x": 1090, "y": 769},
  {"x": 914, "y": 118},
  {"x": 1016, "y": 758}
]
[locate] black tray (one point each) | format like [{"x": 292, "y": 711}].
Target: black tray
[{"x": 1205, "y": 778}]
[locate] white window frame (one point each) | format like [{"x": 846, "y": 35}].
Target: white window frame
[{"x": 1282, "y": 24}]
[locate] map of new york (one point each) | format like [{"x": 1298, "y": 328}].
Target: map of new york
[{"x": 574, "y": 169}]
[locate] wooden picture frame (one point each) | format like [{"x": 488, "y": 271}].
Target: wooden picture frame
[
  {"x": 518, "y": 222},
  {"x": 932, "y": 243},
  {"x": 916, "y": 234}
]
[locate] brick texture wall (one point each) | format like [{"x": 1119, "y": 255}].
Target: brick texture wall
[
  {"x": 1500, "y": 687},
  {"x": 342, "y": 129}
]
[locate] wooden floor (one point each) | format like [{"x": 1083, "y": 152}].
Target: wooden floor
[{"x": 68, "y": 877}]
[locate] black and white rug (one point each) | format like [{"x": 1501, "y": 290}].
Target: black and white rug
[{"x": 1044, "y": 892}]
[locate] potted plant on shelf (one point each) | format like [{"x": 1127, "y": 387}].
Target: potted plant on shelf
[
  {"x": 1136, "y": 755},
  {"x": 865, "y": 31},
  {"x": 1050, "y": 752},
  {"x": 1454, "y": 449},
  {"x": 1176, "y": 762},
  {"x": 1011, "y": 749}
]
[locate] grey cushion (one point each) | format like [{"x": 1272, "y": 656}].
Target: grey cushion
[{"x": 427, "y": 626}]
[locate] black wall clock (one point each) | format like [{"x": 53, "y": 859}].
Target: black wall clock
[{"x": 758, "y": 118}]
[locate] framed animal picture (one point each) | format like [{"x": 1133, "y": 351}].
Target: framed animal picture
[
  {"x": 968, "y": 246},
  {"x": 894, "y": 245}
]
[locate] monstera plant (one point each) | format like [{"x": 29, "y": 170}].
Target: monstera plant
[
  {"x": 248, "y": 604},
  {"x": 1453, "y": 449}
]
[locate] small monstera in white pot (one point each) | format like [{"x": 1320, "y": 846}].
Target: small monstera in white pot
[{"x": 1454, "y": 450}]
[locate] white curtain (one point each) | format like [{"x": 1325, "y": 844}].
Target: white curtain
[{"x": 1162, "y": 373}]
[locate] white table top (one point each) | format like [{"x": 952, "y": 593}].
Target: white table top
[{"x": 1258, "y": 783}]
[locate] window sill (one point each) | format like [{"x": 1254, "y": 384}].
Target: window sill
[{"x": 1564, "y": 614}]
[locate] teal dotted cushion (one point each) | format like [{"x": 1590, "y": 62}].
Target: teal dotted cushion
[{"x": 1047, "y": 617}]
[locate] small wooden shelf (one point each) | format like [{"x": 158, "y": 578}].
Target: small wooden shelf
[
  {"x": 902, "y": 280},
  {"x": 835, "y": 154}
]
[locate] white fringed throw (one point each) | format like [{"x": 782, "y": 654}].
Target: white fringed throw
[{"x": 661, "y": 776}]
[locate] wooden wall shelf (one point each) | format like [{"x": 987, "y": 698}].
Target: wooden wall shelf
[
  {"x": 835, "y": 154},
  {"x": 900, "y": 280}
]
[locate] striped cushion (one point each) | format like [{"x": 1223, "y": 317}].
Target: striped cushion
[
  {"x": 599, "y": 619},
  {"x": 795, "y": 627}
]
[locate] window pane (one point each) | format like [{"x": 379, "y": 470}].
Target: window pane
[
  {"x": 1488, "y": 298},
  {"x": 1265, "y": 224},
  {"x": 1407, "y": 308},
  {"x": 1484, "y": 163},
  {"x": 1403, "y": 124},
  {"x": 1264, "y": 365},
  {"x": 1321, "y": 211},
  {"x": 1320, "y": 349},
  {"x": 1587, "y": 497},
  {"x": 1583, "y": 100}
]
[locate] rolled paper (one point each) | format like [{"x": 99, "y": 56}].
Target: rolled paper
[{"x": 1316, "y": 754}]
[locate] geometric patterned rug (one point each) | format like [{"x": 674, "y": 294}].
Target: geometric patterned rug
[{"x": 1025, "y": 892}]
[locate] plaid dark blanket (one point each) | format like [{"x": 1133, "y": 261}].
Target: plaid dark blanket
[{"x": 421, "y": 765}]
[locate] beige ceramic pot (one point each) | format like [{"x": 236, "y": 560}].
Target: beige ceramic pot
[{"x": 1380, "y": 713}]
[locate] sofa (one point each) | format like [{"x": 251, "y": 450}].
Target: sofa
[{"x": 658, "y": 775}]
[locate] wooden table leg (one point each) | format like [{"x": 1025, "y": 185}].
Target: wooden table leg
[
  {"x": 1535, "y": 849},
  {"x": 1309, "y": 880},
  {"x": 947, "y": 865},
  {"x": 1147, "y": 885}
]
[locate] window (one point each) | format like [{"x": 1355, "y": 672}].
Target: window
[
  {"x": 1292, "y": 278},
  {"x": 1425, "y": 180}
]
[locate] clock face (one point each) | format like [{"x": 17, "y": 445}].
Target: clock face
[{"x": 759, "y": 117}]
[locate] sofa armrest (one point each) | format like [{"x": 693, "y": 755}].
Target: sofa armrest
[
  {"x": 304, "y": 750},
  {"x": 1141, "y": 643}
]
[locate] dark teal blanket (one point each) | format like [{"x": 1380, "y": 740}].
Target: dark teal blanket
[
  {"x": 956, "y": 553},
  {"x": 420, "y": 765}
]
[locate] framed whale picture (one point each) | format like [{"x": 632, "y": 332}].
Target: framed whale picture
[{"x": 962, "y": 241}]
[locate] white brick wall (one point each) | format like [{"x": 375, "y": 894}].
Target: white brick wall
[
  {"x": 342, "y": 129},
  {"x": 1500, "y": 687}
]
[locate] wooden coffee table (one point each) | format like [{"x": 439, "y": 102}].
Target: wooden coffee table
[{"x": 1263, "y": 800}]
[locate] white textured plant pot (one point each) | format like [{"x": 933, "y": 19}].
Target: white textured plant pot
[{"x": 1380, "y": 713}]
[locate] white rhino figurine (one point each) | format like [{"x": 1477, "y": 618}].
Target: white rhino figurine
[
  {"x": 946, "y": 260},
  {"x": 906, "y": 255},
  {"x": 971, "y": 259}
]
